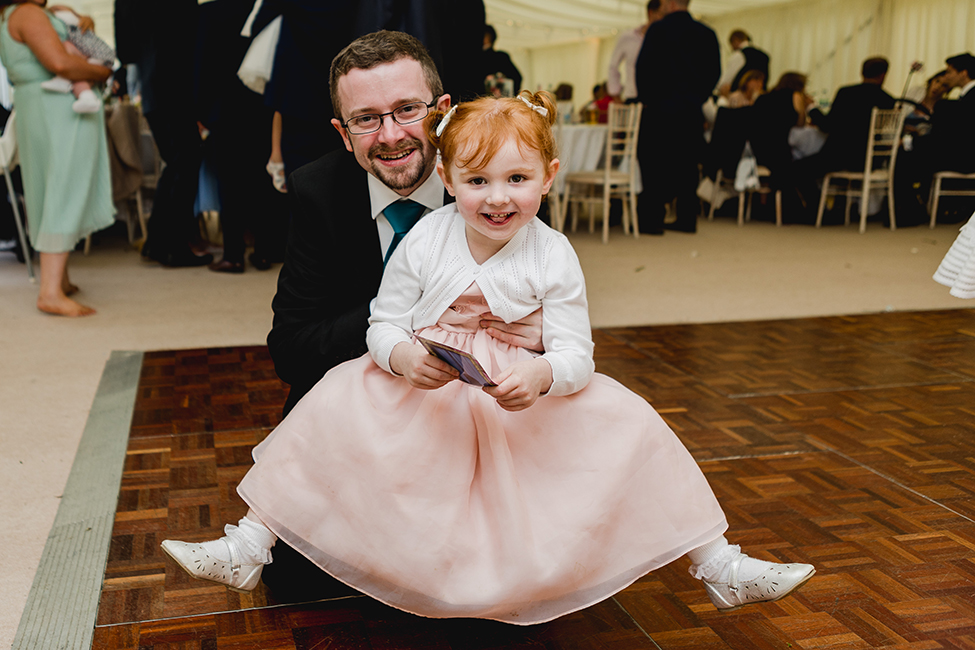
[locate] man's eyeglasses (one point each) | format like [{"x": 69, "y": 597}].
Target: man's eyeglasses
[{"x": 403, "y": 115}]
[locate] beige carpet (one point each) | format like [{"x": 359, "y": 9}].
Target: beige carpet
[{"x": 52, "y": 365}]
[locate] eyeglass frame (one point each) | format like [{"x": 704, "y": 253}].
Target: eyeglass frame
[{"x": 391, "y": 114}]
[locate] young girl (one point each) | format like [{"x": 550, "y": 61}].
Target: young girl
[{"x": 519, "y": 502}]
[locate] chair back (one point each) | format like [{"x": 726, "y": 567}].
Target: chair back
[
  {"x": 728, "y": 137},
  {"x": 884, "y": 139},
  {"x": 623, "y": 131}
]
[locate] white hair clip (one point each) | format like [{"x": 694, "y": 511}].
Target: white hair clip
[
  {"x": 541, "y": 110},
  {"x": 446, "y": 118}
]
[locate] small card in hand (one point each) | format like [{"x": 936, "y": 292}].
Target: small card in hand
[{"x": 470, "y": 370}]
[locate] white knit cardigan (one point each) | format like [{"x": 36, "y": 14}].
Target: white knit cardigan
[{"x": 433, "y": 266}]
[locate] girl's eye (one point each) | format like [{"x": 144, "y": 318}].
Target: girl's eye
[
  {"x": 517, "y": 178},
  {"x": 476, "y": 181}
]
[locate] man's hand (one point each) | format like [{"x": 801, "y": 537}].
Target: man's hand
[
  {"x": 420, "y": 368},
  {"x": 525, "y": 333},
  {"x": 521, "y": 384}
]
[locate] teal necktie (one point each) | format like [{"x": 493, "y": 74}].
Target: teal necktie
[{"x": 401, "y": 215}]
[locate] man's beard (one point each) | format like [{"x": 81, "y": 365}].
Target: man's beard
[{"x": 406, "y": 176}]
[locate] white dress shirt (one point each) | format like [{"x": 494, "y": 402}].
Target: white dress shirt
[{"x": 429, "y": 195}]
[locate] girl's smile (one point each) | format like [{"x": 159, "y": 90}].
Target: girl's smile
[{"x": 497, "y": 200}]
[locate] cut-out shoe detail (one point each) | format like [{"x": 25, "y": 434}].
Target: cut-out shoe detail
[
  {"x": 193, "y": 559},
  {"x": 775, "y": 582}
]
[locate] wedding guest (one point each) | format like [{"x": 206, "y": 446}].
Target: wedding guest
[
  {"x": 744, "y": 58},
  {"x": 625, "y": 53},
  {"x": 495, "y": 61},
  {"x": 63, "y": 154},
  {"x": 679, "y": 63}
]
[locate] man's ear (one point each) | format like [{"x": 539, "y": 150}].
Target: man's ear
[
  {"x": 443, "y": 176},
  {"x": 342, "y": 132},
  {"x": 443, "y": 103}
]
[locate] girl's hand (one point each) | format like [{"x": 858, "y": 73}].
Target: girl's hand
[
  {"x": 520, "y": 384},
  {"x": 420, "y": 368}
]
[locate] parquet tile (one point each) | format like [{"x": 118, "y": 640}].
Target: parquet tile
[{"x": 847, "y": 442}]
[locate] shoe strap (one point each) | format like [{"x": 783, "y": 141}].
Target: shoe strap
[
  {"x": 234, "y": 560},
  {"x": 733, "y": 575}
]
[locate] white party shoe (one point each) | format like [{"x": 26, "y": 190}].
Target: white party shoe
[
  {"x": 195, "y": 560},
  {"x": 775, "y": 582}
]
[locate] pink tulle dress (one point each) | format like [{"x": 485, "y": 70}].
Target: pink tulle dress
[{"x": 440, "y": 503}]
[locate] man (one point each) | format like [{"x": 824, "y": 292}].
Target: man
[
  {"x": 626, "y": 52},
  {"x": 158, "y": 37},
  {"x": 678, "y": 66},
  {"x": 382, "y": 86},
  {"x": 947, "y": 147},
  {"x": 848, "y": 120},
  {"x": 847, "y": 125},
  {"x": 744, "y": 57},
  {"x": 494, "y": 61}
]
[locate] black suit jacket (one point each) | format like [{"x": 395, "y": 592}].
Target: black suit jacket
[
  {"x": 678, "y": 66},
  {"x": 950, "y": 145},
  {"x": 848, "y": 125},
  {"x": 332, "y": 270}
]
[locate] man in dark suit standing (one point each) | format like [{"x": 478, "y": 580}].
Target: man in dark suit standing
[
  {"x": 346, "y": 211},
  {"x": 678, "y": 66},
  {"x": 158, "y": 36}
]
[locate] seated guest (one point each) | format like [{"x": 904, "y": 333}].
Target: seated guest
[
  {"x": 919, "y": 119},
  {"x": 949, "y": 146},
  {"x": 774, "y": 115},
  {"x": 752, "y": 85},
  {"x": 848, "y": 121}
]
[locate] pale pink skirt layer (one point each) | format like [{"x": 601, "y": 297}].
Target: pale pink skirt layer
[{"x": 442, "y": 504}]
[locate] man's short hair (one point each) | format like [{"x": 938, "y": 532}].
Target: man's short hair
[
  {"x": 874, "y": 67},
  {"x": 375, "y": 49},
  {"x": 964, "y": 62},
  {"x": 653, "y": 5},
  {"x": 738, "y": 36}
]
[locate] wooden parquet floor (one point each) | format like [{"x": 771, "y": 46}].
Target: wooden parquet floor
[{"x": 847, "y": 442}]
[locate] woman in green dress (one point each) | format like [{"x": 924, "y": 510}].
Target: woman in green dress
[{"x": 63, "y": 154}]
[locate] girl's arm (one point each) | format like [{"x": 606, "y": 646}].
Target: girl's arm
[
  {"x": 567, "y": 366},
  {"x": 391, "y": 324},
  {"x": 30, "y": 25}
]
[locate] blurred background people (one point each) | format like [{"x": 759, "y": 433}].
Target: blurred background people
[
  {"x": 63, "y": 154},
  {"x": 623, "y": 87}
]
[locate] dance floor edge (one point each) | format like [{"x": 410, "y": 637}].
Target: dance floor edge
[{"x": 846, "y": 442}]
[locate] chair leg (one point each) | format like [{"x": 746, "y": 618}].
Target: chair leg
[
  {"x": 18, "y": 220},
  {"x": 864, "y": 206},
  {"x": 714, "y": 193},
  {"x": 748, "y": 209},
  {"x": 778, "y": 208},
  {"x": 634, "y": 223},
  {"x": 822, "y": 202},
  {"x": 606, "y": 215},
  {"x": 933, "y": 202},
  {"x": 624, "y": 199},
  {"x": 849, "y": 202},
  {"x": 741, "y": 209},
  {"x": 890, "y": 205}
]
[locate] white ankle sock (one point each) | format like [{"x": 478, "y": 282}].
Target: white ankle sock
[
  {"x": 712, "y": 562},
  {"x": 252, "y": 539}
]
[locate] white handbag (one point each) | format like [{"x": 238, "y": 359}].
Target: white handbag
[{"x": 255, "y": 70}]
